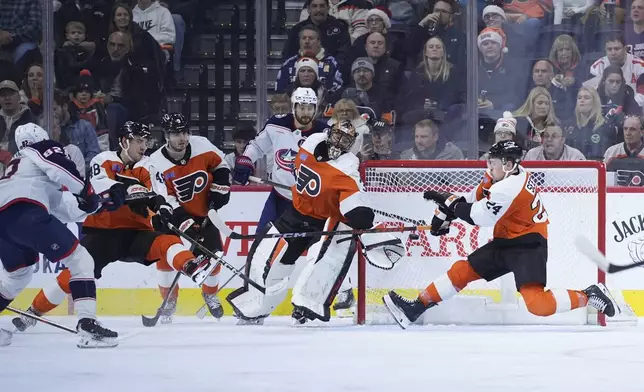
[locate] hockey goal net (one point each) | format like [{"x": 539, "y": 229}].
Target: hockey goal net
[{"x": 573, "y": 193}]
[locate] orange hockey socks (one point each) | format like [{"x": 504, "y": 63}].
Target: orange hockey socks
[
  {"x": 51, "y": 296},
  {"x": 544, "y": 303},
  {"x": 449, "y": 284}
]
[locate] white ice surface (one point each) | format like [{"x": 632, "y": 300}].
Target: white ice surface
[{"x": 198, "y": 355}]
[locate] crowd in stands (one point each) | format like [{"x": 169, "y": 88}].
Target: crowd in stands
[{"x": 563, "y": 78}]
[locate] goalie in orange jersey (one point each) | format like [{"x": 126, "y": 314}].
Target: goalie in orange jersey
[
  {"x": 508, "y": 200},
  {"x": 134, "y": 232}
]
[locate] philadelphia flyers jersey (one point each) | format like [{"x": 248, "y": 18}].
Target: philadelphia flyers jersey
[
  {"x": 279, "y": 142},
  {"x": 188, "y": 179},
  {"x": 513, "y": 206},
  {"x": 326, "y": 188},
  {"x": 106, "y": 169}
]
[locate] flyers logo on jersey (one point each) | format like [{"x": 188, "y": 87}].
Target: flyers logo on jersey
[
  {"x": 186, "y": 187},
  {"x": 308, "y": 181}
]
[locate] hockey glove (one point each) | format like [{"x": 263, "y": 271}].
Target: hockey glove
[
  {"x": 163, "y": 215},
  {"x": 243, "y": 169},
  {"x": 441, "y": 222},
  {"x": 88, "y": 201},
  {"x": 185, "y": 223},
  {"x": 117, "y": 194},
  {"x": 219, "y": 196},
  {"x": 138, "y": 206},
  {"x": 444, "y": 199}
]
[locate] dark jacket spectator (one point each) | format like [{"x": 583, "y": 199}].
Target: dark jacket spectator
[
  {"x": 74, "y": 55},
  {"x": 615, "y": 94},
  {"x": 334, "y": 37},
  {"x": 498, "y": 78},
  {"x": 434, "y": 84},
  {"x": 78, "y": 132},
  {"x": 588, "y": 131}
]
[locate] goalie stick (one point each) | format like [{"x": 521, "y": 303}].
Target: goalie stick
[
  {"x": 225, "y": 230},
  {"x": 590, "y": 250},
  {"x": 264, "y": 290},
  {"x": 421, "y": 222}
]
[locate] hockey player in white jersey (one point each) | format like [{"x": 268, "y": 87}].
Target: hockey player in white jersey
[
  {"x": 198, "y": 179},
  {"x": 328, "y": 195},
  {"x": 508, "y": 200},
  {"x": 33, "y": 209},
  {"x": 279, "y": 141}
]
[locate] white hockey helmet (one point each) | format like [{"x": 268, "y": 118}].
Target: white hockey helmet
[
  {"x": 303, "y": 95},
  {"x": 29, "y": 134}
]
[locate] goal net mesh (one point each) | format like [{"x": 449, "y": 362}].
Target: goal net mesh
[{"x": 569, "y": 195}]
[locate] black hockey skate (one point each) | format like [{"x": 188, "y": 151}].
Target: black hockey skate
[
  {"x": 345, "y": 300},
  {"x": 213, "y": 304},
  {"x": 403, "y": 310},
  {"x": 301, "y": 315},
  {"x": 93, "y": 335},
  {"x": 23, "y": 322},
  {"x": 600, "y": 298}
]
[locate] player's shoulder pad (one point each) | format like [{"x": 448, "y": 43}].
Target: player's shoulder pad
[
  {"x": 320, "y": 126},
  {"x": 509, "y": 187},
  {"x": 313, "y": 141},
  {"x": 280, "y": 120},
  {"x": 200, "y": 145},
  {"x": 105, "y": 156},
  {"x": 48, "y": 145}
]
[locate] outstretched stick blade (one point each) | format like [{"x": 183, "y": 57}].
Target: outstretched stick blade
[
  {"x": 220, "y": 224},
  {"x": 590, "y": 250}
]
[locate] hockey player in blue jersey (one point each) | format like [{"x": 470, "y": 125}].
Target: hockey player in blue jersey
[
  {"x": 40, "y": 191},
  {"x": 279, "y": 141}
]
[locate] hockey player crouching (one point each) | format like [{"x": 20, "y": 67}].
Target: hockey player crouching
[
  {"x": 508, "y": 200},
  {"x": 328, "y": 195},
  {"x": 279, "y": 141},
  {"x": 198, "y": 179},
  {"x": 127, "y": 233},
  {"x": 32, "y": 211}
]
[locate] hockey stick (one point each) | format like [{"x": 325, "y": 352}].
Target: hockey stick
[
  {"x": 152, "y": 321},
  {"x": 203, "y": 310},
  {"x": 42, "y": 320},
  {"x": 590, "y": 250},
  {"x": 258, "y": 180},
  {"x": 225, "y": 230},
  {"x": 223, "y": 262}
]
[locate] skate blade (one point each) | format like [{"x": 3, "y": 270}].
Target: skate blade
[
  {"x": 243, "y": 322},
  {"x": 395, "y": 312},
  {"x": 345, "y": 313},
  {"x": 165, "y": 320},
  {"x": 605, "y": 290},
  {"x": 86, "y": 342}
]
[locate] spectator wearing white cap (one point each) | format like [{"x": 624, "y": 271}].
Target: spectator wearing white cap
[
  {"x": 494, "y": 16},
  {"x": 498, "y": 78},
  {"x": 554, "y": 147},
  {"x": 505, "y": 129},
  {"x": 306, "y": 75},
  {"x": 12, "y": 114}
]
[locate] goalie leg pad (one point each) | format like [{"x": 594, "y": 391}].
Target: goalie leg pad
[
  {"x": 271, "y": 264},
  {"x": 320, "y": 280}
]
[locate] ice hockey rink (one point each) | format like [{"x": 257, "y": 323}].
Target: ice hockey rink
[{"x": 206, "y": 355}]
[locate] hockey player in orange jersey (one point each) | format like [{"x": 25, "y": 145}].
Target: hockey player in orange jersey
[
  {"x": 197, "y": 179},
  {"x": 131, "y": 233},
  {"x": 327, "y": 195},
  {"x": 508, "y": 200}
]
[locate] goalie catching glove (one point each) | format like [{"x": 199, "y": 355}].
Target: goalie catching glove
[{"x": 382, "y": 250}]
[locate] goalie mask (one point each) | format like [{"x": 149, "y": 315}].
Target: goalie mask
[
  {"x": 177, "y": 133},
  {"x": 304, "y": 104},
  {"x": 341, "y": 138}
]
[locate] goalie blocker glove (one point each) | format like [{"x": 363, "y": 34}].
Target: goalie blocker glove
[{"x": 243, "y": 169}]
